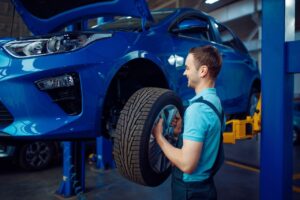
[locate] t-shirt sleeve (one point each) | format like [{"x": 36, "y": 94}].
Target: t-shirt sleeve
[{"x": 196, "y": 122}]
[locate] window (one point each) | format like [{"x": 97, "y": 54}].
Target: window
[{"x": 228, "y": 39}]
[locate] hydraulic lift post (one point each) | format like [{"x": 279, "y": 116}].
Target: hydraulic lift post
[
  {"x": 73, "y": 181},
  {"x": 104, "y": 154}
]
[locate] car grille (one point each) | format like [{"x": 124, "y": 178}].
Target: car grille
[{"x": 5, "y": 117}]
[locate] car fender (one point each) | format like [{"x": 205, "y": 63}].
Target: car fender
[{"x": 137, "y": 54}]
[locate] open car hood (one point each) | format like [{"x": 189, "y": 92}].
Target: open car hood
[{"x": 46, "y": 16}]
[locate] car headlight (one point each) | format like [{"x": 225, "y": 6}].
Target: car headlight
[
  {"x": 55, "y": 44},
  {"x": 2, "y": 148}
]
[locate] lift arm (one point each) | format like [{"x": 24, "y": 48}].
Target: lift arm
[{"x": 243, "y": 129}]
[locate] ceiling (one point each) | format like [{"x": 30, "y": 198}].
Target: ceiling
[
  {"x": 189, "y": 3},
  {"x": 201, "y": 5}
]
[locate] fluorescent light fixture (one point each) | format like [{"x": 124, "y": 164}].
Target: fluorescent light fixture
[{"x": 211, "y": 1}]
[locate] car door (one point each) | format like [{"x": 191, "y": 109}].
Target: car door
[
  {"x": 183, "y": 42},
  {"x": 235, "y": 75}
]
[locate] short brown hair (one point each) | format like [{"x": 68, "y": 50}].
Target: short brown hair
[{"x": 209, "y": 56}]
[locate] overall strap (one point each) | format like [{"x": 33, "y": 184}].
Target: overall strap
[
  {"x": 220, "y": 156},
  {"x": 220, "y": 115}
]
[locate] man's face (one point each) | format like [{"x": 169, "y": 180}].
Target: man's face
[{"x": 191, "y": 72}]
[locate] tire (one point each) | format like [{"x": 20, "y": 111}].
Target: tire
[
  {"x": 253, "y": 100},
  {"x": 36, "y": 155},
  {"x": 251, "y": 107},
  {"x": 137, "y": 155}
]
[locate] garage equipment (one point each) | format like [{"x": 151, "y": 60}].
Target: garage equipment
[
  {"x": 73, "y": 180},
  {"x": 243, "y": 129},
  {"x": 280, "y": 59},
  {"x": 104, "y": 156}
]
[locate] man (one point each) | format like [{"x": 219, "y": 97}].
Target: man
[{"x": 199, "y": 152}]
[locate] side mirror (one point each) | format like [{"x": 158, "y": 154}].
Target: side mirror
[{"x": 190, "y": 25}]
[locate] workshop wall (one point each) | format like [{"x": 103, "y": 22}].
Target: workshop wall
[{"x": 11, "y": 24}]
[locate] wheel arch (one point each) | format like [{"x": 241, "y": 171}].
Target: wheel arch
[
  {"x": 256, "y": 84},
  {"x": 128, "y": 78}
]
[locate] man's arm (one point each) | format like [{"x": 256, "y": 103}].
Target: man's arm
[{"x": 186, "y": 158}]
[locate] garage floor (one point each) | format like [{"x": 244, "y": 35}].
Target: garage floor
[{"x": 238, "y": 179}]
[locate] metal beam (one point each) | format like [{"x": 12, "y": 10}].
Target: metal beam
[
  {"x": 229, "y": 12},
  {"x": 293, "y": 63},
  {"x": 277, "y": 95},
  {"x": 252, "y": 33},
  {"x": 166, "y": 4},
  {"x": 253, "y": 45}
]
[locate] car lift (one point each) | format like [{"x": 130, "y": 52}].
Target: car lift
[
  {"x": 243, "y": 129},
  {"x": 73, "y": 180}
]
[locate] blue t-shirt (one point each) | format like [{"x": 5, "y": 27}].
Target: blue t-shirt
[{"x": 201, "y": 124}]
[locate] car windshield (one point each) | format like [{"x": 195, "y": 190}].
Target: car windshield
[{"x": 129, "y": 23}]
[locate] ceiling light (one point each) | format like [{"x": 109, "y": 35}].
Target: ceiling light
[{"x": 211, "y": 1}]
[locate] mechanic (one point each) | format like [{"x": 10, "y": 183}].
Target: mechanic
[{"x": 199, "y": 151}]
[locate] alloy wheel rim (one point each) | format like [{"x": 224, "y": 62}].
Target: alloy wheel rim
[
  {"x": 158, "y": 161},
  {"x": 37, "y": 154},
  {"x": 253, "y": 104}
]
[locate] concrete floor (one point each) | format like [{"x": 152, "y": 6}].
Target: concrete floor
[{"x": 233, "y": 181}]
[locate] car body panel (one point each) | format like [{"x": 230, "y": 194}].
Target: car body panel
[
  {"x": 296, "y": 115},
  {"x": 36, "y": 116},
  {"x": 296, "y": 121},
  {"x": 6, "y": 151},
  {"x": 43, "y": 17}
]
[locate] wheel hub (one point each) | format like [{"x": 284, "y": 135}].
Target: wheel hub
[{"x": 158, "y": 161}]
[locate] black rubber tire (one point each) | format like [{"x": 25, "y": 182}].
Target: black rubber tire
[
  {"x": 133, "y": 131},
  {"x": 47, "y": 151},
  {"x": 254, "y": 92}
]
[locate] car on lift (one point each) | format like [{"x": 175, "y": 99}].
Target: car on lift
[
  {"x": 33, "y": 156},
  {"x": 113, "y": 78}
]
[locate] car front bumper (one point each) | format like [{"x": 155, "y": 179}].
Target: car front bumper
[{"x": 33, "y": 113}]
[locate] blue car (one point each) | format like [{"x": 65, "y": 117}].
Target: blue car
[
  {"x": 296, "y": 123},
  {"x": 35, "y": 155},
  {"x": 90, "y": 63}
]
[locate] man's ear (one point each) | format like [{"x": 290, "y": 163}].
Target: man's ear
[{"x": 203, "y": 71}]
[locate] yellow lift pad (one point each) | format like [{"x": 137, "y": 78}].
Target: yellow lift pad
[{"x": 243, "y": 129}]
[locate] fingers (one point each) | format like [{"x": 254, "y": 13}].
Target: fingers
[
  {"x": 178, "y": 116},
  {"x": 174, "y": 122},
  {"x": 176, "y": 119},
  {"x": 161, "y": 121},
  {"x": 157, "y": 130}
]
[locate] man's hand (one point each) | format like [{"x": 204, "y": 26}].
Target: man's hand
[
  {"x": 177, "y": 124},
  {"x": 158, "y": 129}
]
